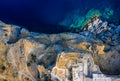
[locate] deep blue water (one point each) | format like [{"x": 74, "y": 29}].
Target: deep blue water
[{"x": 44, "y": 15}]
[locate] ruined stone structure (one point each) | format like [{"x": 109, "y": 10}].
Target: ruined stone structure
[{"x": 82, "y": 71}]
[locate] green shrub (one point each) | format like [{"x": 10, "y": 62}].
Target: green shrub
[
  {"x": 33, "y": 57},
  {"x": 28, "y": 64},
  {"x": 2, "y": 67}
]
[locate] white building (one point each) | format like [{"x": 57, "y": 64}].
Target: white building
[{"x": 101, "y": 77}]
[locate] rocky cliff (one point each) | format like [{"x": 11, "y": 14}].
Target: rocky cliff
[{"x": 93, "y": 54}]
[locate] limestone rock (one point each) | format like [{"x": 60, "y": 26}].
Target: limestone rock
[
  {"x": 97, "y": 26},
  {"x": 34, "y": 56}
]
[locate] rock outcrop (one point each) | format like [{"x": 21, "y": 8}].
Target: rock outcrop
[{"x": 90, "y": 55}]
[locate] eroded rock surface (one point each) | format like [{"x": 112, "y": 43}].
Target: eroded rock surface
[{"x": 92, "y": 54}]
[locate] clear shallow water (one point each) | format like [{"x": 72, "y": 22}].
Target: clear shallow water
[{"x": 44, "y": 15}]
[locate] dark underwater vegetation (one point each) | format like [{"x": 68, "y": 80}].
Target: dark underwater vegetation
[{"x": 46, "y": 15}]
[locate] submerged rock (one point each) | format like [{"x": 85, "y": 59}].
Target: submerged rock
[{"x": 60, "y": 57}]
